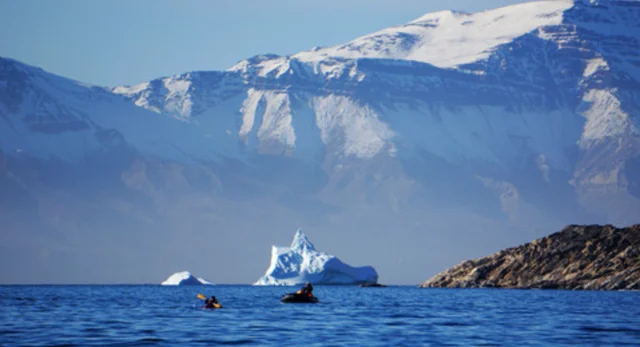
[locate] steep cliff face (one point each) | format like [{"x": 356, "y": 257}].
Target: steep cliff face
[
  {"x": 540, "y": 96},
  {"x": 578, "y": 257}
]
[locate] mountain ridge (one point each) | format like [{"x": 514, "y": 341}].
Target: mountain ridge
[{"x": 541, "y": 131}]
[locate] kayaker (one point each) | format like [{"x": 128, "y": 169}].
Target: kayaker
[
  {"x": 307, "y": 289},
  {"x": 212, "y": 303}
]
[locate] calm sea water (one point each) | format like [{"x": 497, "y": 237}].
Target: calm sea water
[{"x": 392, "y": 316}]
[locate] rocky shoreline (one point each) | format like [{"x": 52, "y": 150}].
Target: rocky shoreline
[{"x": 580, "y": 257}]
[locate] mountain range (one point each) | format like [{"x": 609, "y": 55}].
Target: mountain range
[{"x": 410, "y": 149}]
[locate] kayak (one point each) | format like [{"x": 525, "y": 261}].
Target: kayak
[
  {"x": 366, "y": 285},
  {"x": 212, "y": 307},
  {"x": 298, "y": 298}
]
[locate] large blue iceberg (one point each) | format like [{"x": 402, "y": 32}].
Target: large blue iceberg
[{"x": 301, "y": 262}]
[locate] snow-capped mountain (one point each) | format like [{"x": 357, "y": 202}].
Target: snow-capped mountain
[{"x": 487, "y": 125}]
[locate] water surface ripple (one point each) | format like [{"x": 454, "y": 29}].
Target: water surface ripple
[{"x": 392, "y": 316}]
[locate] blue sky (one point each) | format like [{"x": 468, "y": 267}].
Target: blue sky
[{"x": 126, "y": 42}]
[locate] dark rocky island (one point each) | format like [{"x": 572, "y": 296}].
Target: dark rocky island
[{"x": 590, "y": 257}]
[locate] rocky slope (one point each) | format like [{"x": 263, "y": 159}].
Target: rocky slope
[{"x": 590, "y": 257}]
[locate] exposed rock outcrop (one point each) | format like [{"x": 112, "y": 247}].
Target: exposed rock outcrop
[{"x": 592, "y": 257}]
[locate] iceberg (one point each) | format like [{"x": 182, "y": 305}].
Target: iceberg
[
  {"x": 184, "y": 278},
  {"x": 301, "y": 262}
]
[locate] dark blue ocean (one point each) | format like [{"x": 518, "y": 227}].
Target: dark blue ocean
[{"x": 345, "y": 316}]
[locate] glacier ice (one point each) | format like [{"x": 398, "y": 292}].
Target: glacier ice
[
  {"x": 184, "y": 278},
  {"x": 301, "y": 262}
]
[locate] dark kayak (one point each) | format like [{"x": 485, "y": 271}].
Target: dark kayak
[
  {"x": 214, "y": 306},
  {"x": 298, "y": 298},
  {"x": 367, "y": 285}
]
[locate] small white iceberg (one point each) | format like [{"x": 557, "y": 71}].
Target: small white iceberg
[
  {"x": 184, "y": 278},
  {"x": 301, "y": 262}
]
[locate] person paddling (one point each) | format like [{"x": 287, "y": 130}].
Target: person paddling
[
  {"x": 307, "y": 289},
  {"x": 212, "y": 302}
]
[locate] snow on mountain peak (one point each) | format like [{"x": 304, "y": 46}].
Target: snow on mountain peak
[
  {"x": 448, "y": 39},
  {"x": 438, "y": 17},
  {"x": 171, "y": 95},
  {"x": 272, "y": 110}
]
